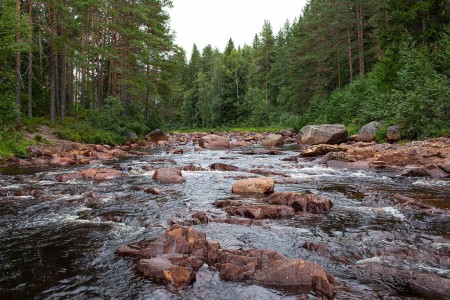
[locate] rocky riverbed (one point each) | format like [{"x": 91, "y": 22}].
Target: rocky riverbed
[{"x": 227, "y": 216}]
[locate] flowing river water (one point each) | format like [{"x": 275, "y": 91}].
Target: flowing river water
[{"x": 57, "y": 240}]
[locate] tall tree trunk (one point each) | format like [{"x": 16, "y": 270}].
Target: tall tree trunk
[
  {"x": 53, "y": 70},
  {"x": 350, "y": 57},
  {"x": 360, "y": 40},
  {"x": 338, "y": 58},
  {"x": 70, "y": 82},
  {"x": 63, "y": 84},
  {"x": 17, "y": 66},
  {"x": 30, "y": 61}
]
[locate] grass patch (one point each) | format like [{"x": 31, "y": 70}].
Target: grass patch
[
  {"x": 272, "y": 128},
  {"x": 33, "y": 124},
  {"x": 13, "y": 144}
]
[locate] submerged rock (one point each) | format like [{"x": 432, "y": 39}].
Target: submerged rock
[
  {"x": 223, "y": 167},
  {"x": 163, "y": 270},
  {"x": 102, "y": 174},
  {"x": 261, "y": 211},
  {"x": 296, "y": 272}
]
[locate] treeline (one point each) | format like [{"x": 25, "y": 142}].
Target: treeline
[
  {"x": 111, "y": 66},
  {"x": 59, "y": 57},
  {"x": 346, "y": 61}
]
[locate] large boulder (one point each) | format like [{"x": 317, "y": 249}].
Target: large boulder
[
  {"x": 322, "y": 134},
  {"x": 272, "y": 140},
  {"x": 131, "y": 136},
  {"x": 367, "y": 133},
  {"x": 156, "y": 135},
  {"x": 260, "y": 185},
  {"x": 301, "y": 202},
  {"x": 168, "y": 176},
  {"x": 213, "y": 141},
  {"x": 393, "y": 133},
  {"x": 296, "y": 272}
]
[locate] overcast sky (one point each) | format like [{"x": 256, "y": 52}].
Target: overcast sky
[{"x": 213, "y": 22}]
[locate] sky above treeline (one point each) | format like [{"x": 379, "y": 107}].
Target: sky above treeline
[{"x": 214, "y": 22}]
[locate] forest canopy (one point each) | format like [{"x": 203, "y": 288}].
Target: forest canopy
[{"x": 99, "y": 69}]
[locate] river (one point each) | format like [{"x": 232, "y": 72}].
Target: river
[{"x": 57, "y": 240}]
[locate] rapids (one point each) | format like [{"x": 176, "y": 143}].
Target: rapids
[{"x": 57, "y": 240}]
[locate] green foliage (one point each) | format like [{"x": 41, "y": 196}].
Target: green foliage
[
  {"x": 33, "y": 124},
  {"x": 13, "y": 144},
  {"x": 40, "y": 139},
  {"x": 417, "y": 98},
  {"x": 8, "y": 111},
  {"x": 107, "y": 126}
]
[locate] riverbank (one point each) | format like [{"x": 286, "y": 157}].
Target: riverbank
[{"x": 428, "y": 158}]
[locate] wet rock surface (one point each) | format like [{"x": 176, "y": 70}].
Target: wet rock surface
[
  {"x": 349, "y": 213},
  {"x": 176, "y": 257},
  {"x": 262, "y": 185}
]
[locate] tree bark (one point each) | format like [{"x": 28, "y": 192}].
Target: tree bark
[
  {"x": 30, "y": 61},
  {"x": 17, "y": 65},
  {"x": 350, "y": 58},
  {"x": 63, "y": 85},
  {"x": 360, "y": 40},
  {"x": 53, "y": 70}
]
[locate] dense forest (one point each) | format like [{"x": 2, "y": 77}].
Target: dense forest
[{"x": 98, "y": 70}]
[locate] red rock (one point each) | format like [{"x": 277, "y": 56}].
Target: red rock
[
  {"x": 161, "y": 269},
  {"x": 152, "y": 190},
  {"x": 58, "y": 161},
  {"x": 98, "y": 174},
  {"x": 262, "y": 211},
  {"x": 301, "y": 202},
  {"x": 321, "y": 150},
  {"x": 201, "y": 216},
  {"x": 178, "y": 239},
  {"x": 272, "y": 140},
  {"x": 295, "y": 272},
  {"x": 213, "y": 141},
  {"x": 223, "y": 167},
  {"x": 260, "y": 185},
  {"x": 127, "y": 250},
  {"x": 192, "y": 168},
  {"x": 432, "y": 285},
  {"x": 415, "y": 172},
  {"x": 436, "y": 172},
  {"x": 34, "y": 150},
  {"x": 168, "y": 176},
  {"x": 155, "y": 136}
]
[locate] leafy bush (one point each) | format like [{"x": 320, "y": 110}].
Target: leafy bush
[
  {"x": 13, "y": 144},
  {"x": 415, "y": 96}
]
